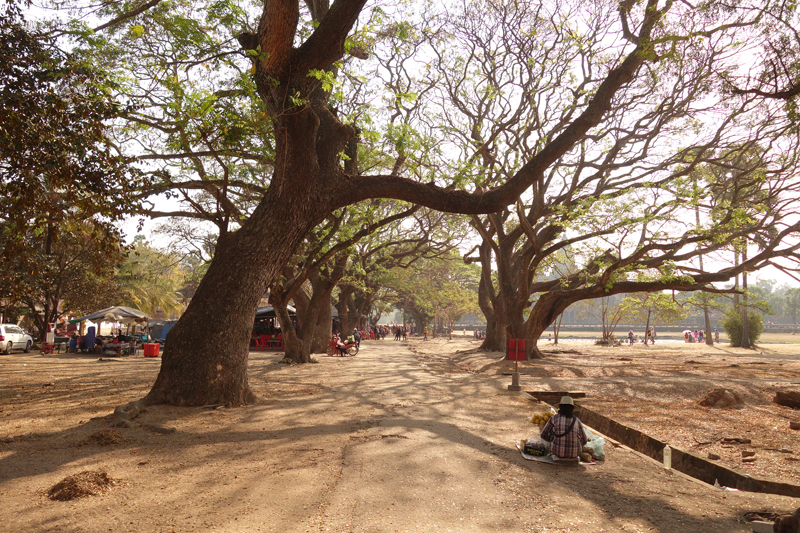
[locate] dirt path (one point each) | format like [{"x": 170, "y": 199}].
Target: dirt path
[{"x": 385, "y": 441}]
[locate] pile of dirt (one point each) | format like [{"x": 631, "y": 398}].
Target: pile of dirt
[
  {"x": 721, "y": 398},
  {"x": 788, "y": 399},
  {"x": 105, "y": 437},
  {"x": 87, "y": 483}
]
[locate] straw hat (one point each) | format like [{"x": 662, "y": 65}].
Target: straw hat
[{"x": 566, "y": 400}]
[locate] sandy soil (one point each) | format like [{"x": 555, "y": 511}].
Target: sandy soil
[{"x": 415, "y": 436}]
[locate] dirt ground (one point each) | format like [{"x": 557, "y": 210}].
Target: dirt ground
[{"x": 416, "y": 436}]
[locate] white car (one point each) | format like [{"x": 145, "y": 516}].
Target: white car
[{"x": 14, "y": 337}]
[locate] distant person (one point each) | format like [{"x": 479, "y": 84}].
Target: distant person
[
  {"x": 696, "y": 335},
  {"x": 700, "y": 337},
  {"x": 564, "y": 431},
  {"x": 425, "y": 333},
  {"x": 716, "y": 335},
  {"x": 630, "y": 337}
]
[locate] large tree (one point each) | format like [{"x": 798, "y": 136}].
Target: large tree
[
  {"x": 498, "y": 94},
  {"x": 75, "y": 272},
  {"x": 439, "y": 288},
  {"x": 296, "y": 55},
  {"x": 320, "y": 263},
  {"x": 362, "y": 294},
  {"x": 62, "y": 183}
]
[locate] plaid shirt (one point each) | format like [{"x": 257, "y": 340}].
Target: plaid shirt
[{"x": 571, "y": 444}]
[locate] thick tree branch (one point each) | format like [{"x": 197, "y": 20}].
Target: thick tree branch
[
  {"x": 785, "y": 94},
  {"x": 276, "y": 32},
  {"x": 326, "y": 44},
  {"x": 215, "y": 153},
  {"x": 430, "y": 195}
]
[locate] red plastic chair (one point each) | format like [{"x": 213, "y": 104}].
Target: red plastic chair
[{"x": 258, "y": 342}]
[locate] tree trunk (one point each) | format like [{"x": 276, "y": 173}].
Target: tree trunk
[
  {"x": 736, "y": 281},
  {"x": 347, "y": 315},
  {"x": 495, "y": 332},
  {"x": 709, "y": 338},
  {"x": 557, "y": 328},
  {"x": 205, "y": 356},
  {"x": 320, "y": 305},
  {"x": 215, "y": 370},
  {"x": 323, "y": 328},
  {"x": 495, "y": 340},
  {"x": 515, "y": 329},
  {"x": 419, "y": 321},
  {"x": 294, "y": 348},
  {"x": 746, "y": 343},
  {"x": 548, "y": 307},
  {"x": 316, "y": 310}
]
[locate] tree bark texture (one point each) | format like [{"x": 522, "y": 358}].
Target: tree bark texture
[
  {"x": 349, "y": 317},
  {"x": 205, "y": 356},
  {"x": 322, "y": 328}
]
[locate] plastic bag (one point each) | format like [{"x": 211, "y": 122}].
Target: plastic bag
[
  {"x": 595, "y": 444},
  {"x": 536, "y": 446}
]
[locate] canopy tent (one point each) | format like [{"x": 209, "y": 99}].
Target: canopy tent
[
  {"x": 118, "y": 313},
  {"x": 269, "y": 311},
  {"x": 266, "y": 322},
  {"x": 159, "y": 328}
]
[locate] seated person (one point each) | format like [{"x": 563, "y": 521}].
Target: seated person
[
  {"x": 340, "y": 346},
  {"x": 564, "y": 431}
]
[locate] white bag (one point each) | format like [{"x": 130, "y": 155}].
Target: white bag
[{"x": 595, "y": 443}]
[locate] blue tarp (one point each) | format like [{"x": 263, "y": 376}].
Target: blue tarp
[{"x": 159, "y": 328}]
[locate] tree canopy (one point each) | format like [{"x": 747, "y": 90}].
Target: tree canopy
[
  {"x": 581, "y": 122},
  {"x": 56, "y": 158}
]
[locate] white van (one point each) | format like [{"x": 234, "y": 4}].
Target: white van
[{"x": 13, "y": 337}]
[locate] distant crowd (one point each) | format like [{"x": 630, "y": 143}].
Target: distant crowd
[{"x": 380, "y": 332}]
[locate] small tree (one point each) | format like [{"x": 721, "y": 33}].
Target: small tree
[
  {"x": 732, "y": 323},
  {"x": 608, "y": 311},
  {"x": 652, "y": 308}
]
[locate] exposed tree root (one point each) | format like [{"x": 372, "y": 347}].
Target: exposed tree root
[{"x": 124, "y": 414}]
